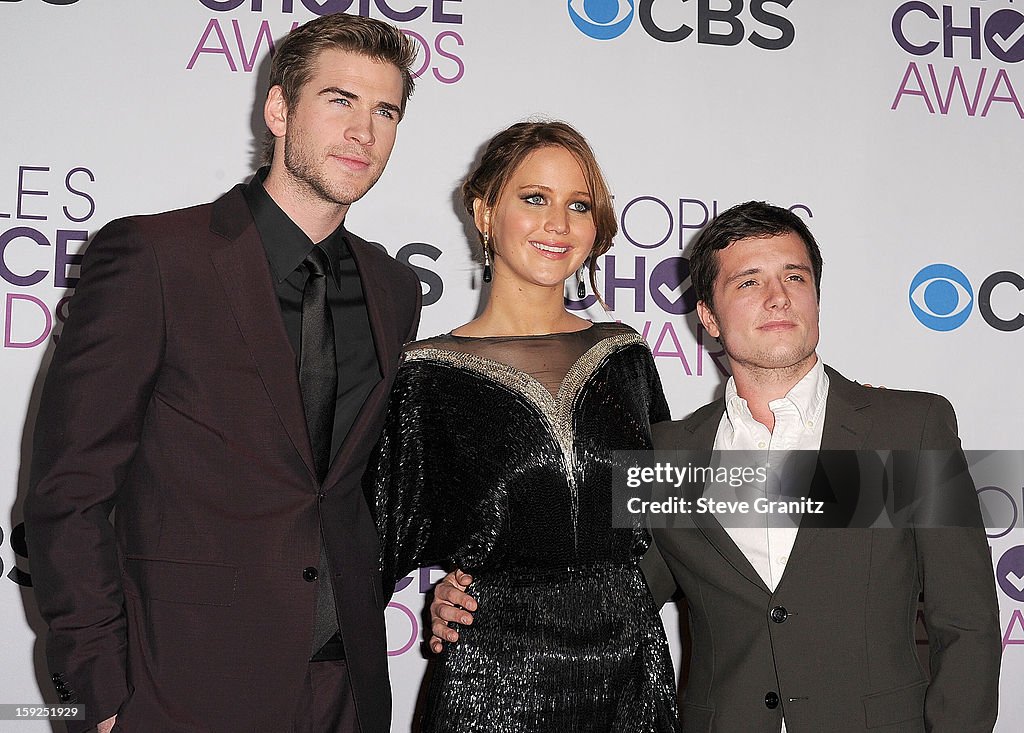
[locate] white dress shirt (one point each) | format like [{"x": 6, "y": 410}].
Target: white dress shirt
[{"x": 799, "y": 420}]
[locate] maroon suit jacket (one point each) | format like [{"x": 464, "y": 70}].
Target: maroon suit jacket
[{"x": 173, "y": 399}]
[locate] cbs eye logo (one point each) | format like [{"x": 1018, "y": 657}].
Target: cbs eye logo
[
  {"x": 941, "y": 298},
  {"x": 601, "y": 19}
]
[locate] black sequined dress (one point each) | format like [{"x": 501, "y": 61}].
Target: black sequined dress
[{"x": 495, "y": 458}]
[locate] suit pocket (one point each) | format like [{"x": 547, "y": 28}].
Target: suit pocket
[
  {"x": 697, "y": 718},
  {"x": 897, "y": 705},
  {"x": 181, "y": 581}
]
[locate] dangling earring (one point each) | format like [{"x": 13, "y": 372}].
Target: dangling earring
[
  {"x": 487, "y": 257},
  {"x": 581, "y": 289}
]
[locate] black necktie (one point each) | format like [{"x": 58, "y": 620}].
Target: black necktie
[
  {"x": 318, "y": 365},
  {"x": 318, "y": 379}
]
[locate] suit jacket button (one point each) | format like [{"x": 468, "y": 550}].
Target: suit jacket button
[
  {"x": 309, "y": 574},
  {"x": 779, "y": 614},
  {"x": 771, "y": 701},
  {"x": 55, "y": 676}
]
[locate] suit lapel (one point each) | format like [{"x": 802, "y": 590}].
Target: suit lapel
[
  {"x": 377, "y": 297},
  {"x": 847, "y": 414},
  {"x": 245, "y": 274},
  {"x": 847, "y": 424},
  {"x": 703, "y": 429},
  {"x": 716, "y": 535},
  {"x": 375, "y": 293}
]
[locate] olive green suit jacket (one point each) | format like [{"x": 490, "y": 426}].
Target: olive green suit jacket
[{"x": 841, "y": 653}]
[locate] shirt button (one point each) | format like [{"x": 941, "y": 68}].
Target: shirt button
[
  {"x": 309, "y": 574},
  {"x": 761, "y": 444},
  {"x": 771, "y": 701},
  {"x": 783, "y": 559},
  {"x": 779, "y": 614}
]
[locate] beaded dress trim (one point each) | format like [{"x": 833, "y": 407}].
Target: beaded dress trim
[{"x": 557, "y": 411}]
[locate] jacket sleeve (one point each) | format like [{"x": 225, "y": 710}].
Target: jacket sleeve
[
  {"x": 91, "y": 415},
  {"x": 660, "y": 580},
  {"x": 656, "y": 571},
  {"x": 397, "y": 484},
  {"x": 658, "y": 410},
  {"x": 414, "y": 325},
  {"x": 961, "y": 612}
]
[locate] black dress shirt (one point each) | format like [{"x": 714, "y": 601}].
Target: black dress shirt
[{"x": 287, "y": 246}]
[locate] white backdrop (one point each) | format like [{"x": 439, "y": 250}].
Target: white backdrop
[{"x": 893, "y": 126}]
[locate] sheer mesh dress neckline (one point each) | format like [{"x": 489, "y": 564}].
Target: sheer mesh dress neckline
[{"x": 547, "y": 358}]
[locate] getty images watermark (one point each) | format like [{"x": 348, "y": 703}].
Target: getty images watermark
[
  {"x": 753, "y": 478},
  {"x": 827, "y": 489}
]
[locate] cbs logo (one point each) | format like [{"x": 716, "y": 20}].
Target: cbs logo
[
  {"x": 606, "y": 19},
  {"x": 942, "y": 298},
  {"x": 602, "y": 19}
]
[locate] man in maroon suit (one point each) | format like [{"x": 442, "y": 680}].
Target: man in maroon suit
[{"x": 220, "y": 383}]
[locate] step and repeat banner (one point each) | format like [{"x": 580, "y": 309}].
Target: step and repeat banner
[{"x": 893, "y": 127}]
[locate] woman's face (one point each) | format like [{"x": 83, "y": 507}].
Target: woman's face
[{"x": 542, "y": 227}]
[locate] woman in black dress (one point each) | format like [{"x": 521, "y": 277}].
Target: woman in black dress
[{"x": 496, "y": 458}]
